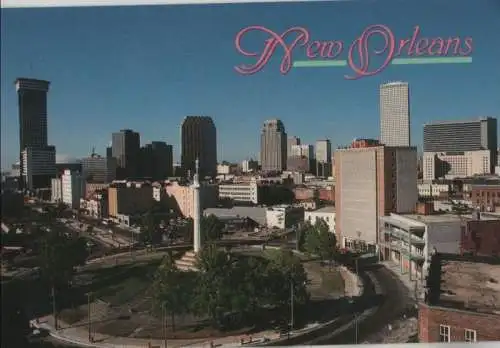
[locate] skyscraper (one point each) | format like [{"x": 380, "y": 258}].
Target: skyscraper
[
  {"x": 157, "y": 160},
  {"x": 395, "y": 114},
  {"x": 290, "y": 142},
  {"x": 323, "y": 158},
  {"x": 273, "y": 146},
  {"x": 199, "y": 141},
  {"x": 125, "y": 147},
  {"x": 37, "y": 159},
  {"x": 457, "y": 138}
]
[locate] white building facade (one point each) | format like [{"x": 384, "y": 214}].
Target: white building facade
[
  {"x": 284, "y": 216},
  {"x": 72, "y": 188},
  {"x": 327, "y": 214},
  {"x": 410, "y": 240},
  {"x": 395, "y": 114},
  {"x": 449, "y": 165},
  {"x": 432, "y": 190},
  {"x": 56, "y": 190},
  {"x": 241, "y": 192}
]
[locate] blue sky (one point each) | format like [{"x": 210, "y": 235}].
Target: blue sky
[{"x": 147, "y": 67}]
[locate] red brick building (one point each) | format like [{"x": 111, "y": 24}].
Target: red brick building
[
  {"x": 305, "y": 193},
  {"x": 468, "y": 304},
  {"x": 481, "y": 237},
  {"x": 485, "y": 197},
  {"x": 327, "y": 194}
]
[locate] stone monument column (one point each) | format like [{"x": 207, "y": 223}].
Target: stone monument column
[{"x": 196, "y": 210}]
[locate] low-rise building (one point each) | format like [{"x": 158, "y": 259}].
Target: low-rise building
[
  {"x": 98, "y": 205},
  {"x": 308, "y": 205},
  {"x": 485, "y": 197},
  {"x": 467, "y": 305},
  {"x": 182, "y": 197},
  {"x": 305, "y": 193},
  {"x": 129, "y": 198},
  {"x": 455, "y": 165},
  {"x": 481, "y": 237},
  {"x": 433, "y": 190},
  {"x": 247, "y": 192},
  {"x": 284, "y": 216},
  {"x": 411, "y": 239},
  {"x": 327, "y": 214}
]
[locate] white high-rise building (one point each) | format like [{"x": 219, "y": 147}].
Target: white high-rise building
[
  {"x": 56, "y": 190},
  {"x": 72, "y": 188},
  {"x": 395, "y": 114},
  {"x": 323, "y": 158}
]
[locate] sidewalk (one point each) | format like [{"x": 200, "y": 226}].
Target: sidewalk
[
  {"x": 79, "y": 336},
  {"x": 405, "y": 278}
]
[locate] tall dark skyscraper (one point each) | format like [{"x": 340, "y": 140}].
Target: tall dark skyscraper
[
  {"x": 37, "y": 158},
  {"x": 157, "y": 160},
  {"x": 199, "y": 140},
  {"x": 126, "y": 146}
]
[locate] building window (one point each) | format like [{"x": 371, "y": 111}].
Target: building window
[
  {"x": 470, "y": 335},
  {"x": 444, "y": 333}
]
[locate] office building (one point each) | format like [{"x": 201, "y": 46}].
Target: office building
[
  {"x": 250, "y": 165},
  {"x": 372, "y": 182},
  {"x": 273, "y": 146},
  {"x": 395, "y": 114},
  {"x": 125, "y": 147},
  {"x": 72, "y": 188},
  {"x": 323, "y": 158},
  {"x": 33, "y": 142},
  {"x": 199, "y": 141},
  {"x": 458, "y": 137},
  {"x": 246, "y": 192},
  {"x": 56, "y": 190},
  {"x": 290, "y": 142},
  {"x": 38, "y": 167},
  {"x": 157, "y": 160},
  {"x": 451, "y": 165},
  {"x": 301, "y": 159},
  {"x": 98, "y": 169}
]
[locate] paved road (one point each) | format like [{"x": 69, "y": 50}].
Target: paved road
[{"x": 392, "y": 297}]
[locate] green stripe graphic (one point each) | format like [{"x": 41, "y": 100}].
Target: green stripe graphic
[{"x": 396, "y": 61}]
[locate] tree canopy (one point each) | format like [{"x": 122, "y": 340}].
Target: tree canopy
[
  {"x": 229, "y": 286},
  {"x": 320, "y": 241}
]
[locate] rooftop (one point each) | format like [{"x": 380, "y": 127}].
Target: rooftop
[
  {"x": 470, "y": 284},
  {"x": 446, "y": 217},
  {"x": 328, "y": 209},
  {"x": 257, "y": 214}
]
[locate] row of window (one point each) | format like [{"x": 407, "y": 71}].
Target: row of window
[{"x": 445, "y": 334}]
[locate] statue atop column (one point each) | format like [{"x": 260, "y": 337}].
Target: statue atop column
[{"x": 196, "y": 209}]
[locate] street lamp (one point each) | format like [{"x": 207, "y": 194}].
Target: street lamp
[{"x": 351, "y": 301}]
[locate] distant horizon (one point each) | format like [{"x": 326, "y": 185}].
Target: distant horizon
[{"x": 142, "y": 68}]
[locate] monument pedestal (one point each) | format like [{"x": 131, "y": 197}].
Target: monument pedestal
[{"x": 187, "y": 262}]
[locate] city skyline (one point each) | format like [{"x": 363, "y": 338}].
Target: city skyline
[{"x": 97, "y": 91}]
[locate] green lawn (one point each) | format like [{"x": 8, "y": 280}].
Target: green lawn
[{"x": 121, "y": 284}]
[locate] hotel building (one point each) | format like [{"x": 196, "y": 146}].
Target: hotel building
[{"x": 372, "y": 182}]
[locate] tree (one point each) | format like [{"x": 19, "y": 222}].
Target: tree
[
  {"x": 59, "y": 256},
  {"x": 171, "y": 292},
  {"x": 211, "y": 228},
  {"x": 212, "y": 295},
  {"x": 320, "y": 241},
  {"x": 283, "y": 271}
]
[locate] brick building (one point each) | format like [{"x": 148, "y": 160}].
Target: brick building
[
  {"x": 481, "y": 237},
  {"x": 304, "y": 193},
  {"x": 327, "y": 194},
  {"x": 485, "y": 197},
  {"x": 462, "y": 303}
]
